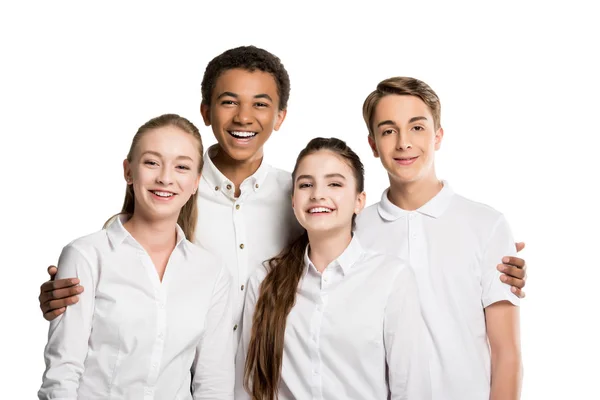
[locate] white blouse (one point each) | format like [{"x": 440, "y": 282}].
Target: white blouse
[
  {"x": 355, "y": 332},
  {"x": 131, "y": 336}
]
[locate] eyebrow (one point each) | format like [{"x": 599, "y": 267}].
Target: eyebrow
[
  {"x": 410, "y": 121},
  {"x": 258, "y": 96},
  {"x": 334, "y": 175},
  {"x": 157, "y": 154}
]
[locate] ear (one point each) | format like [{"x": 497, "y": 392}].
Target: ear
[
  {"x": 205, "y": 112},
  {"x": 196, "y": 184},
  {"x": 127, "y": 172},
  {"x": 361, "y": 200},
  {"x": 280, "y": 117},
  {"x": 439, "y": 135},
  {"x": 373, "y": 146}
]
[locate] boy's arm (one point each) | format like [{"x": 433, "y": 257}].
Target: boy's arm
[
  {"x": 57, "y": 295},
  {"x": 502, "y": 323},
  {"x": 514, "y": 271}
]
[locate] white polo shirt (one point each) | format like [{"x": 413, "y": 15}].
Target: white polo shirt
[
  {"x": 454, "y": 245},
  {"x": 244, "y": 231},
  {"x": 355, "y": 331}
]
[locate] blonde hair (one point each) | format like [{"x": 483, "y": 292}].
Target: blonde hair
[
  {"x": 188, "y": 216},
  {"x": 401, "y": 85}
]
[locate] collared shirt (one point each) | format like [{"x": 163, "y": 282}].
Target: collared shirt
[
  {"x": 355, "y": 331},
  {"x": 131, "y": 336},
  {"x": 453, "y": 245},
  {"x": 247, "y": 230}
]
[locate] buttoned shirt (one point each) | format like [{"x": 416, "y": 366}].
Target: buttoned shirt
[
  {"x": 131, "y": 336},
  {"x": 247, "y": 230},
  {"x": 355, "y": 331},
  {"x": 453, "y": 245}
]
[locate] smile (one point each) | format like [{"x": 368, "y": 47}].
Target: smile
[
  {"x": 161, "y": 194},
  {"x": 405, "y": 160},
  {"x": 320, "y": 210},
  {"x": 242, "y": 134}
]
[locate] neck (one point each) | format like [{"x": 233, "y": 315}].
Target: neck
[
  {"x": 413, "y": 195},
  {"x": 154, "y": 236},
  {"x": 325, "y": 247},
  {"x": 236, "y": 170}
]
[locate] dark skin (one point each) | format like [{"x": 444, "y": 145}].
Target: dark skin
[{"x": 56, "y": 296}]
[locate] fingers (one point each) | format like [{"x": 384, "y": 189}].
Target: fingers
[
  {"x": 518, "y": 283},
  {"x": 519, "y": 292},
  {"x": 520, "y": 246},
  {"x": 49, "y": 316},
  {"x": 52, "y": 270},
  {"x": 516, "y": 261},
  {"x": 59, "y": 284},
  {"x": 513, "y": 271},
  {"x": 58, "y": 304}
]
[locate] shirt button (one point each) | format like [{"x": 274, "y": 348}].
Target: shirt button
[
  {"x": 242, "y": 287},
  {"x": 235, "y": 327},
  {"x": 216, "y": 188},
  {"x": 154, "y": 366},
  {"x": 256, "y": 186},
  {"x": 148, "y": 391},
  {"x": 228, "y": 187},
  {"x": 242, "y": 246},
  {"x": 237, "y": 206},
  {"x": 161, "y": 335}
]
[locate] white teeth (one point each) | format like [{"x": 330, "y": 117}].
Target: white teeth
[
  {"x": 319, "y": 210},
  {"x": 163, "y": 194},
  {"x": 242, "y": 134}
]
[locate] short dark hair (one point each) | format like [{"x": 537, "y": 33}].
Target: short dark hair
[{"x": 249, "y": 58}]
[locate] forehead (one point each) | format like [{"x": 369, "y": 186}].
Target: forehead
[
  {"x": 244, "y": 82},
  {"x": 169, "y": 141},
  {"x": 324, "y": 162},
  {"x": 400, "y": 108}
]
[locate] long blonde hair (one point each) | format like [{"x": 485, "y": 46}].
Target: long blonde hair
[{"x": 188, "y": 215}]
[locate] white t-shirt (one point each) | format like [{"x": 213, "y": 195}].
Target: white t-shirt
[
  {"x": 131, "y": 336},
  {"x": 245, "y": 231},
  {"x": 453, "y": 245},
  {"x": 354, "y": 332}
]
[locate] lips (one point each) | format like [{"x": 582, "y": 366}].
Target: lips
[
  {"x": 162, "y": 194},
  {"x": 320, "y": 210},
  {"x": 405, "y": 160},
  {"x": 243, "y": 134}
]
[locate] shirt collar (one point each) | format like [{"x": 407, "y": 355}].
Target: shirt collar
[
  {"x": 220, "y": 182},
  {"x": 117, "y": 233},
  {"x": 347, "y": 260},
  {"x": 433, "y": 208}
]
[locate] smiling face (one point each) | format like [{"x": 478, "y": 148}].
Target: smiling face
[
  {"x": 325, "y": 195},
  {"x": 164, "y": 171},
  {"x": 405, "y": 138},
  {"x": 243, "y": 111}
]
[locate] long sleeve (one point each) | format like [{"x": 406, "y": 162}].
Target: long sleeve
[
  {"x": 213, "y": 369},
  {"x": 405, "y": 341},
  {"x": 68, "y": 335}
]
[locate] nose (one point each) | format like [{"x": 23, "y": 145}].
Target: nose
[
  {"x": 165, "y": 176},
  {"x": 403, "y": 142},
  {"x": 317, "y": 193},
  {"x": 243, "y": 115}
]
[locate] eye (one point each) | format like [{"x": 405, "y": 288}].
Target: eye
[
  {"x": 335, "y": 184},
  {"x": 387, "y": 132},
  {"x": 228, "y": 103},
  {"x": 418, "y": 128},
  {"x": 183, "y": 167},
  {"x": 150, "y": 163},
  {"x": 304, "y": 185},
  {"x": 261, "y": 105}
]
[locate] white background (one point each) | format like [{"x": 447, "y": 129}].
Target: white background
[{"x": 519, "y": 88}]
